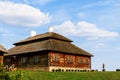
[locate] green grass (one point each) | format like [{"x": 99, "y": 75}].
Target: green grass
[{"x": 42, "y": 75}]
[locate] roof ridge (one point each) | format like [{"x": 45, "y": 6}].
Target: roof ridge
[{"x": 2, "y": 48}]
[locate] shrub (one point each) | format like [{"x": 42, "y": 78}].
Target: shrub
[
  {"x": 92, "y": 70},
  {"x": 56, "y": 70},
  {"x": 72, "y": 70},
  {"x": 19, "y": 75},
  {"x": 69, "y": 70},
  {"x": 62, "y": 70},
  {"x": 96, "y": 70},
  {"x": 66, "y": 70},
  {"x": 59, "y": 70},
  {"x": 4, "y": 75},
  {"x": 103, "y": 70},
  {"x": 75, "y": 70},
  {"x": 53, "y": 70},
  {"x": 117, "y": 69},
  {"x": 11, "y": 76}
]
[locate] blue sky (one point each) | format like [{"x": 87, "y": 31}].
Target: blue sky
[{"x": 92, "y": 24}]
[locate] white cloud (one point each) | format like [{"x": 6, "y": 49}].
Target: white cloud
[
  {"x": 84, "y": 29},
  {"x": 22, "y": 14}
]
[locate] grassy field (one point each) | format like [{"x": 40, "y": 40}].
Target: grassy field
[{"x": 41, "y": 75}]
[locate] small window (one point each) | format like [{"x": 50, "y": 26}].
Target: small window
[
  {"x": 24, "y": 60},
  {"x": 70, "y": 59},
  {"x": 80, "y": 60},
  {"x": 56, "y": 58},
  {"x": 86, "y": 61},
  {"x": 31, "y": 60},
  {"x": 7, "y": 60},
  {"x": 36, "y": 59}
]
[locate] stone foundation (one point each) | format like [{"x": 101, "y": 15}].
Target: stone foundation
[{"x": 54, "y": 68}]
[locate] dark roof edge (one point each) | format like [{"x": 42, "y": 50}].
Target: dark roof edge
[
  {"x": 48, "y": 50},
  {"x": 73, "y": 53}
]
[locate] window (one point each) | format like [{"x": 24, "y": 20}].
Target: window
[
  {"x": 56, "y": 58},
  {"x": 36, "y": 59},
  {"x": 70, "y": 59},
  {"x": 24, "y": 60},
  {"x": 80, "y": 60},
  {"x": 31, "y": 60},
  {"x": 86, "y": 61},
  {"x": 7, "y": 60}
]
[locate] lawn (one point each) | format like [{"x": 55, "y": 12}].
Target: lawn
[{"x": 42, "y": 75}]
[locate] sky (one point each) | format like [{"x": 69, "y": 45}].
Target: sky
[{"x": 93, "y": 25}]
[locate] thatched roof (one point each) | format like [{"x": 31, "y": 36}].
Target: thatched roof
[
  {"x": 52, "y": 43},
  {"x": 43, "y": 37},
  {"x": 2, "y": 49}
]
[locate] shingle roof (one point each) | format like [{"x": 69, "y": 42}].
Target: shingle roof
[
  {"x": 52, "y": 44},
  {"x": 2, "y": 49}
]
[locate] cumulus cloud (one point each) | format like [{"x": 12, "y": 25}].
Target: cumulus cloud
[
  {"x": 22, "y": 14},
  {"x": 84, "y": 29}
]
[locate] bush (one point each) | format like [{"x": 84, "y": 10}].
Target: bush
[
  {"x": 103, "y": 70},
  {"x": 2, "y": 72},
  {"x": 69, "y": 70},
  {"x": 72, "y": 70},
  {"x": 66, "y": 70},
  {"x": 59, "y": 70},
  {"x": 11, "y": 76},
  {"x": 53, "y": 70},
  {"x": 4, "y": 75},
  {"x": 117, "y": 69},
  {"x": 19, "y": 75},
  {"x": 62, "y": 70}
]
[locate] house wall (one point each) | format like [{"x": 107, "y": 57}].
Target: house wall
[
  {"x": 49, "y": 61},
  {"x": 1, "y": 57},
  {"x": 36, "y": 60},
  {"x": 68, "y": 61},
  {"x": 33, "y": 60}
]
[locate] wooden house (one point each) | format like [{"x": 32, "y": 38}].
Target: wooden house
[
  {"x": 2, "y": 51},
  {"x": 48, "y": 51}
]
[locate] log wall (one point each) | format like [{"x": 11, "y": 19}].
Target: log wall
[
  {"x": 1, "y": 60},
  {"x": 69, "y": 60},
  {"x": 49, "y": 61},
  {"x": 28, "y": 61}
]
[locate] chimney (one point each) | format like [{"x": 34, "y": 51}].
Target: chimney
[
  {"x": 33, "y": 33},
  {"x": 51, "y": 29}
]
